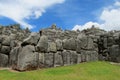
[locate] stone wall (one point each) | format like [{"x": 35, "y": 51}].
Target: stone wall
[{"x": 51, "y": 47}]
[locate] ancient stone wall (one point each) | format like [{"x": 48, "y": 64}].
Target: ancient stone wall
[{"x": 51, "y": 47}]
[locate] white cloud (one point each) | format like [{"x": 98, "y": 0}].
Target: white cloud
[
  {"x": 22, "y": 10},
  {"x": 117, "y": 3},
  {"x": 85, "y": 26},
  {"x": 110, "y": 17}
]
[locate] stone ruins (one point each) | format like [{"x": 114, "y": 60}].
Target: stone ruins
[{"x": 22, "y": 50}]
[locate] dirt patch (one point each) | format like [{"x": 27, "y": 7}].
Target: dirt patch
[
  {"x": 115, "y": 63},
  {"x": 9, "y": 69}
]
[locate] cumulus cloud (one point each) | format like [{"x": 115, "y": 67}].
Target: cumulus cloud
[
  {"x": 22, "y": 10},
  {"x": 117, "y": 3},
  {"x": 85, "y": 26},
  {"x": 110, "y": 16}
]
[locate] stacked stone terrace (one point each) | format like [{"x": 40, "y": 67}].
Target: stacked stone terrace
[{"x": 23, "y": 50}]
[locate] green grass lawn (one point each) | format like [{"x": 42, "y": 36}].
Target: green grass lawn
[{"x": 84, "y": 71}]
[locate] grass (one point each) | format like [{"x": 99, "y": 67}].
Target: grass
[{"x": 84, "y": 71}]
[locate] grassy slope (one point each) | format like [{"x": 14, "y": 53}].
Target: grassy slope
[{"x": 85, "y": 71}]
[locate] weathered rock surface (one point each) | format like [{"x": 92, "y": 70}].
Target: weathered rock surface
[
  {"x": 42, "y": 45},
  {"x": 115, "y": 53},
  {"x": 49, "y": 59},
  {"x": 32, "y": 39},
  {"x": 27, "y": 58},
  {"x": 3, "y": 60},
  {"x": 69, "y": 44},
  {"x": 58, "y": 60},
  {"x": 52, "y": 47},
  {"x": 14, "y": 57},
  {"x": 5, "y": 50},
  {"x": 59, "y": 45}
]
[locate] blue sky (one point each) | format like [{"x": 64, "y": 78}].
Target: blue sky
[{"x": 67, "y": 14}]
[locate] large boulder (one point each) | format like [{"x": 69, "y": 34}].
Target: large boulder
[
  {"x": 52, "y": 47},
  {"x": 27, "y": 59},
  {"x": 66, "y": 57},
  {"x": 117, "y": 37},
  {"x": 105, "y": 42},
  {"x": 110, "y": 41},
  {"x": 13, "y": 44},
  {"x": 90, "y": 44},
  {"x": 59, "y": 45},
  {"x": 32, "y": 39},
  {"x": 58, "y": 61},
  {"x": 115, "y": 53},
  {"x": 6, "y": 41},
  {"x": 13, "y": 36},
  {"x": 73, "y": 57},
  {"x": 84, "y": 43},
  {"x": 69, "y": 44},
  {"x": 49, "y": 59},
  {"x": 87, "y": 56},
  {"x": 41, "y": 61},
  {"x": 93, "y": 55},
  {"x": 81, "y": 42},
  {"x": 78, "y": 48},
  {"x": 3, "y": 60},
  {"x": 42, "y": 45},
  {"x": 5, "y": 50},
  {"x": 13, "y": 58},
  {"x": 78, "y": 58}
]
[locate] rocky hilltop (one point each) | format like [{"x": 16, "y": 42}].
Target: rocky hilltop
[{"x": 23, "y": 50}]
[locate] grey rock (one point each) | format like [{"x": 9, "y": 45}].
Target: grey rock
[
  {"x": 84, "y": 43},
  {"x": 49, "y": 59},
  {"x": 14, "y": 57},
  {"x": 5, "y": 50},
  {"x": 6, "y": 41},
  {"x": 32, "y": 39},
  {"x": 53, "y": 26},
  {"x": 115, "y": 53},
  {"x": 81, "y": 42},
  {"x": 105, "y": 42},
  {"x": 42, "y": 45},
  {"x": 74, "y": 57},
  {"x": 1, "y": 39},
  {"x": 52, "y": 47},
  {"x": 100, "y": 57},
  {"x": 66, "y": 57},
  {"x": 89, "y": 56},
  {"x": 79, "y": 58},
  {"x": 58, "y": 61},
  {"x": 3, "y": 60},
  {"x": 110, "y": 41},
  {"x": 93, "y": 56},
  {"x": 96, "y": 47},
  {"x": 83, "y": 56},
  {"x": 78, "y": 48},
  {"x": 118, "y": 59},
  {"x": 13, "y": 44},
  {"x": 90, "y": 44},
  {"x": 41, "y": 63},
  {"x": 117, "y": 37},
  {"x": 12, "y": 36},
  {"x": 59, "y": 45},
  {"x": 69, "y": 44},
  {"x": 27, "y": 59},
  {"x": 0, "y": 46}
]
